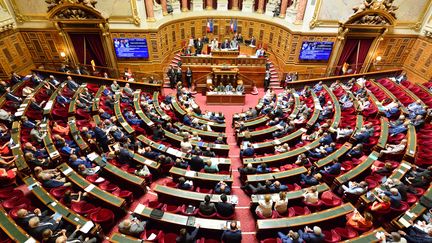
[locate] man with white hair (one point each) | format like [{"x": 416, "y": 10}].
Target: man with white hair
[
  {"x": 312, "y": 236},
  {"x": 133, "y": 226},
  {"x": 394, "y": 148}
]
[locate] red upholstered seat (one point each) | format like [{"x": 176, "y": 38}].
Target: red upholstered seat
[
  {"x": 104, "y": 217},
  {"x": 171, "y": 208},
  {"x": 411, "y": 198},
  {"x": 213, "y": 215},
  {"x": 154, "y": 204},
  {"x": 169, "y": 237},
  {"x": 225, "y": 217},
  {"x": 16, "y": 201},
  {"x": 84, "y": 207},
  {"x": 204, "y": 190},
  {"x": 128, "y": 195},
  {"x": 297, "y": 210},
  {"x": 260, "y": 216},
  {"x": 269, "y": 240},
  {"x": 403, "y": 207},
  {"x": 108, "y": 186},
  {"x": 146, "y": 234},
  {"x": 346, "y": 233},
  {"x": 331, "y": 236},
  {"x": 6, "y": 193},
  {"x": 58, "y": 192},
  {"x": 183, "y": 211},
  {"x": 93, "y": 179},
  {"x": 329, "y": 199}
]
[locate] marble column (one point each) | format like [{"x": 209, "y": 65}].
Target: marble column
[
  {"x": 149, "y": 10},
  {"x": 164, "y": 7},
  {"x": 301, "y": 8},
  {"x": 209, "y": 4},
  {"x": 248, "y": 6},
  {"x": 284, "y": 5},
  {"x": 197, "y": 5},
  {"x": 184, "y": 6},
  {"x": 235, "y": 5},
  {"x": 260, "y": 6}
]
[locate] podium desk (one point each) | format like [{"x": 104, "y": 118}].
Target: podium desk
[{"x": 216, "y": 98}]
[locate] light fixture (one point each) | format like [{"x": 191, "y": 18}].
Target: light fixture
[
  {"x": 62, "y": 54},
  {"x": 378, "y": 58}
]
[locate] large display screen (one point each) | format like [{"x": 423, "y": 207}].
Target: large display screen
[
  {"x": 316, "y": 51},
  {"x": 131, "y": 48}
]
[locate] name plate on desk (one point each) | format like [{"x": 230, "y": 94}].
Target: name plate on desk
[
  {"x": 139, "y": 209},
  {"x": 190, "y": 173},
  {"x": 67, "y": 171},
  {"x": 89, "y": 188}
]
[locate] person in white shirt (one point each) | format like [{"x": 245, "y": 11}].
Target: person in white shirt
[
  {"x": 394, "y": 148},
  {"x": 281, "y": 204},
  {"x": 311, "y": 195},
  {"x": 265, "y": 206},
  {"x": 282, "y": 148},
  {"x": 185, "y": 145},
  {"x": 344, "y": 132}
]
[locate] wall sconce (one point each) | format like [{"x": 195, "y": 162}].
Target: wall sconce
[
  {"x": 63, "y": 55},
  {"x": 377, "y": 60}
]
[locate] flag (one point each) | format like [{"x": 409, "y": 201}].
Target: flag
[
  {"x": 233, "y": 25},
  {"x": 209, "y": 26}
]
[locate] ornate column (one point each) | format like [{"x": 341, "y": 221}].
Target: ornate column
[
  {"x": 209, "y": 4},
  {"x": 185, "y": 7},
  {"x": 260, "y": 9},
  {"x": 149, "y": 10},
  {"x": 301, "y": 8},
  {"x": 235, "y": 5},
  {"x": 248, "y": 6},
  {"x": 283, "y": 9},
  {"x": 164, "y": 7}
]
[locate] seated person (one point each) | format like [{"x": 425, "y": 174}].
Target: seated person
[
  {"x": 223, "y": 208},
  {"x": 180, "y": 163},
  {"x": 310, "y": 178},
  {"x": 132, "y": 226},
  {"x": 395, "y": 197},
  {"x": 185, "y": 237},
  {"x": 37, "y": 227},
  {"x": 281, "y": 204},
  {"x": 311, "y": 195},
  {"x": 334, "y": 169},
  {"x": 265, "y": 206},
  {"x": 184, "y": 184},
  {"x": 211, "y": 167},
  {"x": 355, "y": 188},
  {"x": 356, "y": 151},
  {"x": 232, "y": 235},
  {"x": 222, "y": 187},
  {"x": 356, "y": 220},
  {"x": 248, "y": 151},
  {"x": 394, "y": 148},
  {"x": 291, "y": 237},
  {"x": 248, "y": 170},
  {"x": 262, "y": 168},
  {"x": 382, "y": 204},
  {"x": 207, "y": 207},
  {"x": 312, "y": 236},
  {"x": 282, "y": 148}
]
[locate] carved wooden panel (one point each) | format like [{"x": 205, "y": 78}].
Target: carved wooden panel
[
  {"x": 419, "y": 59},
  {"x": 44, "y": 45},
  {"x": 395, "y": 49},
  {"x": 14, "y": 55}
]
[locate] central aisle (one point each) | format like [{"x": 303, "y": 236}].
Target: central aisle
[{"x": 243, "y": 213}]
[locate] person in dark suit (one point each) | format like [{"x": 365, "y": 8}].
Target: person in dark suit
[
  {"x": 267, "y": 80},
  {"x": 183, "y": 184},
  {"x": 198, "y": 46},
  {"x": 185, "y": 237},
  {"x": 196, "y": 163},
  {"x": 101, "y": 137},
  {"x": 36, "y": 227},
  {"x": 223, "y": 208},
  {"x": 240, "y": 39},
  {"x": 225, "y": 44},
  {"x": 334, "y": 169},
  {"x": 207, "y": 207},
  {"x": 23, "y": 216},
  {"x": 312, "y": 236},
  {"x": 248, "y": 151},
  {"x": 248, "y": 170},
  {"x": 172, "y": 77},
  {"x": 189, "y": 77},
  {"x": 253, "y": 41},
  {"x": 205, "y": 39},
  {"x": 15, "y": 78},
  {"x": 233, "y": 235}
]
